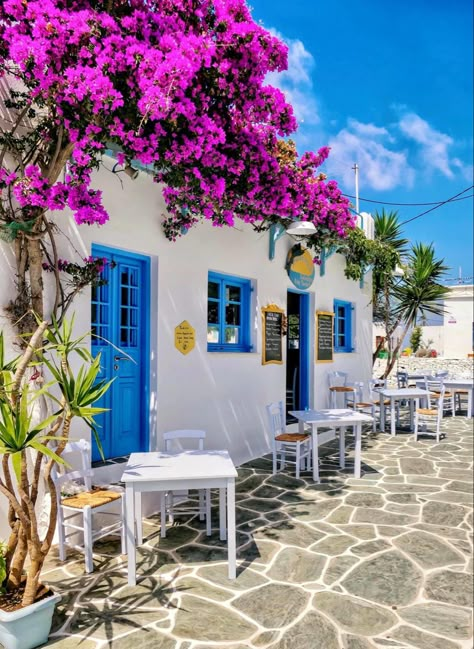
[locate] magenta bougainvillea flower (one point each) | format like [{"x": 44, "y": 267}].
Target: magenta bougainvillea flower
[{"x": 177, "y": 85}]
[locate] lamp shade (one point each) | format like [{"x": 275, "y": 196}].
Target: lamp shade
[{"x": 301, "y": 228}]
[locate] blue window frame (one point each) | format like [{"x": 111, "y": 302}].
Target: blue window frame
[
  {"x": 228, "y": 313},
  {"x": 343, "y": 326}
]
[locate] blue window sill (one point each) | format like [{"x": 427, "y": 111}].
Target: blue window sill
[{"x": 228, "y": 348}]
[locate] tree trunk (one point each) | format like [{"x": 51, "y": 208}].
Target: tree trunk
[
  {"x": 36, "y": 277},
  {"x": 33, "y": 577},
  {"x": 18, "y": 561},
  {"x": 376, "y": 352},
  {"x": 391, "y": 361}
]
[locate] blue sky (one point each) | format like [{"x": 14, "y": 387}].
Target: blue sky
[{"x": 387, "y": 85}]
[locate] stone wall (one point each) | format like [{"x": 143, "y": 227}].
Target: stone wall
[{"x": 458, "y": 368}]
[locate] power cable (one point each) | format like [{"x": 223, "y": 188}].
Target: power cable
[
  {"x": 413, "y": 218},
  {"x": 369, "y": 200}
]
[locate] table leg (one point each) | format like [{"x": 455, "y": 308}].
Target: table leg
[
  {"x": 358, "y": 450},
  {"x": 412, "y": 413},
  {"x": 138, "y": 518},
  {"x": 231, "y": 543},
  {"x": 392, "y": 416},
  {"x": 222, "y": 515},
  {"x": 315, "y": 453},
  {"x": 208, "y": 513},
  {"x": 130, "y": 532},
  {"x": 470, "y": 404},
  {"x": 342, "y": 447},
  {"x": 382, "y": 413}
]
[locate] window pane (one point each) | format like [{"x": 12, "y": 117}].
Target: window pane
[
  {"x": 341, "y": 312},
  {"x": 213, "y": 312},
  {"x": 213, "y": 334},
  {"x": 213, "y": 289},
  {"x": 232, "y": 314},
  {"x": 232, "y": 335},
  {"x": 341, "y": 326},
  {"x": 232, "y": 293}
]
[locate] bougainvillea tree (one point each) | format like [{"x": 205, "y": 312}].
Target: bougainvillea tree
[{"x": 177, "y": 85}]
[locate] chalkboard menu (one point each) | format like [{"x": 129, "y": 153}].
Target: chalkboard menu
[
  {"x": 324, "y": 336},
  {"x": 272, "y": 348}
]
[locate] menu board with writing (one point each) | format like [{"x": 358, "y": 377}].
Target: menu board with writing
[
  {"x": 272, "y": 348},
  {"x": 324, "y": 336}
]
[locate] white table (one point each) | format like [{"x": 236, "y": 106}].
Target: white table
[
  {"x": 157, "y": 471},
  {"x": 459, "y": 384},
  {"x": 334, "y": 418},
  {"x": 412, "y": 395}
]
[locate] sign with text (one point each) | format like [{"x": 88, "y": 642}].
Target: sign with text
[
  {"x": 184, "y": 337},
  {"x": 324, "y": 336},
  {"x": 272, "y": 331}
]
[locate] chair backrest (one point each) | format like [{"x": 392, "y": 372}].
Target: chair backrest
[
  {"x": 176, "y": 437},
  {"x": 436, "y": 392},
  {"x": 276, "y": 417},
  {"x": 374, "y": 387},
  {"x": 337, "y": 379},
  {"x": 84, "y": 474},
  {"x": 402, "y": 379},
  {"x": 359, "y": 392}
]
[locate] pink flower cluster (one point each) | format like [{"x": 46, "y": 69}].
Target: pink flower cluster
[{"x": 176, "y": 84}]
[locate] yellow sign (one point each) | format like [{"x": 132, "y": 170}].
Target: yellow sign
[{"x": 184, "y": 337}]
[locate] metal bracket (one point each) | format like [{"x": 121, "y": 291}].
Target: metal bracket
[
  {"x": 325, "y": 254},
  {"x": 275, "y": 232}
]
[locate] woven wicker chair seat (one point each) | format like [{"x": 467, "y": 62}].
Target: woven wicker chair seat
[
  {"x": 360, "y": 404},
  {"x": 291, "y": 437},
  {"x": 436, "y": 394},
  {"x": 94, "y": 498},
  {"x": 385, "y": 403},
  {"x": 461, "y": 391},
  {"x": 427, "y": 411},
  {"x": 341, "y": 388}
]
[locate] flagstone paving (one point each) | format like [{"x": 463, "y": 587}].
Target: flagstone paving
[{"x": 383, "y": 562}]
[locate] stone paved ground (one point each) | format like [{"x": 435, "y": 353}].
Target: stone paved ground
[{"x": 382, "y": 562}]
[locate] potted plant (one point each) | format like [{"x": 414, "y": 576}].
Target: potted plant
[{"x": 29, "y": 450}]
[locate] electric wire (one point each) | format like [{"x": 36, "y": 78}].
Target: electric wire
[
  {"x": 370, "y": 200},
  {"x": 413, "y": 218}
]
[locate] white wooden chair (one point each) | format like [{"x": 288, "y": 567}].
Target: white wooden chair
[
  {"x": 402, "y": 379},
  {"x": 170, "y": 501},
  {"x": 362, "y": 402},
  {"x": 285, "y": 443},
  {"x": 434, "y": 386},
  {"x": 338, "y": 384},
  {"x": 425, "y": 417},
  {"x": 83, "y": 504}
]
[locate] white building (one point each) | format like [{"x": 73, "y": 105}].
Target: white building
[
  {"x": 217, "y": 280},
  {"x": 458, "y": 324}
]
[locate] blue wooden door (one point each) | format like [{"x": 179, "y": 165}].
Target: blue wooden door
[{"x": 120, "y": 327}]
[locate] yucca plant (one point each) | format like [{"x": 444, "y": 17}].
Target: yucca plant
[{"x": 29, "y": 449}]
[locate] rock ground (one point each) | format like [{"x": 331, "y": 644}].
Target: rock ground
[{"x": 377, "y": 563}]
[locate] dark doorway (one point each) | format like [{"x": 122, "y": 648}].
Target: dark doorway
[{"x": 297, "y": 352}]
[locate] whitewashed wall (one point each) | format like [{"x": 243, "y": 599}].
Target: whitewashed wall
[
  {"x": 458, "y": 321},
  {"x": 222, "y": 393}
]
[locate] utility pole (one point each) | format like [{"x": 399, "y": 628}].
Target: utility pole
[{"x": 356, "y": 173}]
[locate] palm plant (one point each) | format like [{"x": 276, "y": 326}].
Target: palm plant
[
  {"x": 391, "y": 247},
  {"x": 29, "y": 450},
  {"x": 418, "y": 293}
]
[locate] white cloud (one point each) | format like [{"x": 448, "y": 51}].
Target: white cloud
[
  {"x": 296, "y": 82},
  {"x": 433, "y": 145},
  {"x": 380, "y": 168}
]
